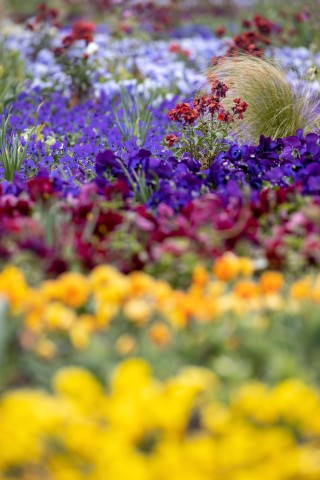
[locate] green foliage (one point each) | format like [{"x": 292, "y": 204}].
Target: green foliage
[
  {"x": 276, "y": 108},
  {"x": 11, "y": 75},
  {"x": 132, "y": 114},
  {"x": 269, "y": 346},
  {"x": 139, "y": 184},
  {"x": 203, "y": 140},
  {"x": 12, "y": 150},
  {"x": 80, "y": 72}
]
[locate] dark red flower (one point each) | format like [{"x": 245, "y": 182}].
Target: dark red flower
[
  {"x": 40, "y": 187},
  {"x": 220, "y": 31},
  {"x": 171, "y": 139},
  {"x": 246, "y": 23},
  {"x": 219, "y": 89}
]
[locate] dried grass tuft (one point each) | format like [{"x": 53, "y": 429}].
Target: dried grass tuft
[{"x": 277, "y": 108}]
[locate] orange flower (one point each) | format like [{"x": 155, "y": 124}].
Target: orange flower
[
  {"x": 247, "y": 289},
  {"x": 226, "y": 267},
  {"x": 200, "y": 276},
  {"x": 160, "y": 334},
  {"x": 271, "y": 282}
]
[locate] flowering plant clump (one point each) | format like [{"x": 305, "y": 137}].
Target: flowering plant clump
[
  {"x": 205, "y": 125},
  {"x": 253, "y": 41},
  {"x": 77, "y": 65},
  {"x": 44, "y": 26}
]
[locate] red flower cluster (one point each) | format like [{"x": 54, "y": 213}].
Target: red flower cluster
[
  {"x": 219, "y": 89},
  {"x": 183, "y": 113},
  {"x": 81, "y": 30},
  {"x": 174, "y": 48},
  {"x": 211, "y": 102},
  {"x": 253, "y": 41},
  {"x": 263, "y": 25},
  {"x": 45, "y": 15},
  {"x": 206, "y": 103},
  {"x": 248, "y": 42},
  {"x": 224, "y": 116},
  {"x": 237, "y": 112},
  {"x": 240, "y": 108}
]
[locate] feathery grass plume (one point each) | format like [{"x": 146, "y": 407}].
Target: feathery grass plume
[{"x": 277, "y": 108}]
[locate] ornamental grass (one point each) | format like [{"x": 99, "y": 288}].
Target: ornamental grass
[{"x": 278, "y": 107}]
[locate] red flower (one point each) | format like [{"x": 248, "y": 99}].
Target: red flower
[
  {"x": 171, "y": 139},
  {"x": 58, "y": 51},
  {"x": 81, "y": 30},
  {"x": 246, "y": 23},
  {"x": 45, "y": 15},
  {"x": 220, "y": 31},
  {"x": 265, "y": 26},
  {"x": 206, "y": 103},
  {"x": 224, "y": 116},
  {"x": 183, "y": 113},
  {"x": 240, "y": 108},
  {"x": 185, "y": 53},
  {"x": 40, "y": 187},
  {"x": 174, "y": 48},
  {"x": 219, "y": 89}
]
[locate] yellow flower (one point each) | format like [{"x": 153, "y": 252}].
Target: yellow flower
[
  {"x": 316, "y": 290},
  {"x": 13, "y": 288},
  {"x": 246, "y": 266},
  {"x": 131, "y": 374},
  {"x": 126, "y": 344},
  {"x": 58, "y": 317},
  {"x": 80, "y": 334},
  {"x": 140, "y": 283},
  {"x": 46, "y": 348},
  {"x": 79, "y": 386},
  {"x": 138, "y": 311},
  {"x": 73, "y": 289},
  {"x": 102, "y": 275},
  {"x": 301, "y": 289}
]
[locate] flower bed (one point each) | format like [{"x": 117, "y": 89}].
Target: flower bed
[{"x": 159, "y": 243}]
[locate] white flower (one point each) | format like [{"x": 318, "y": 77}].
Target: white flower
[{"x": 91, "y": 48}]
